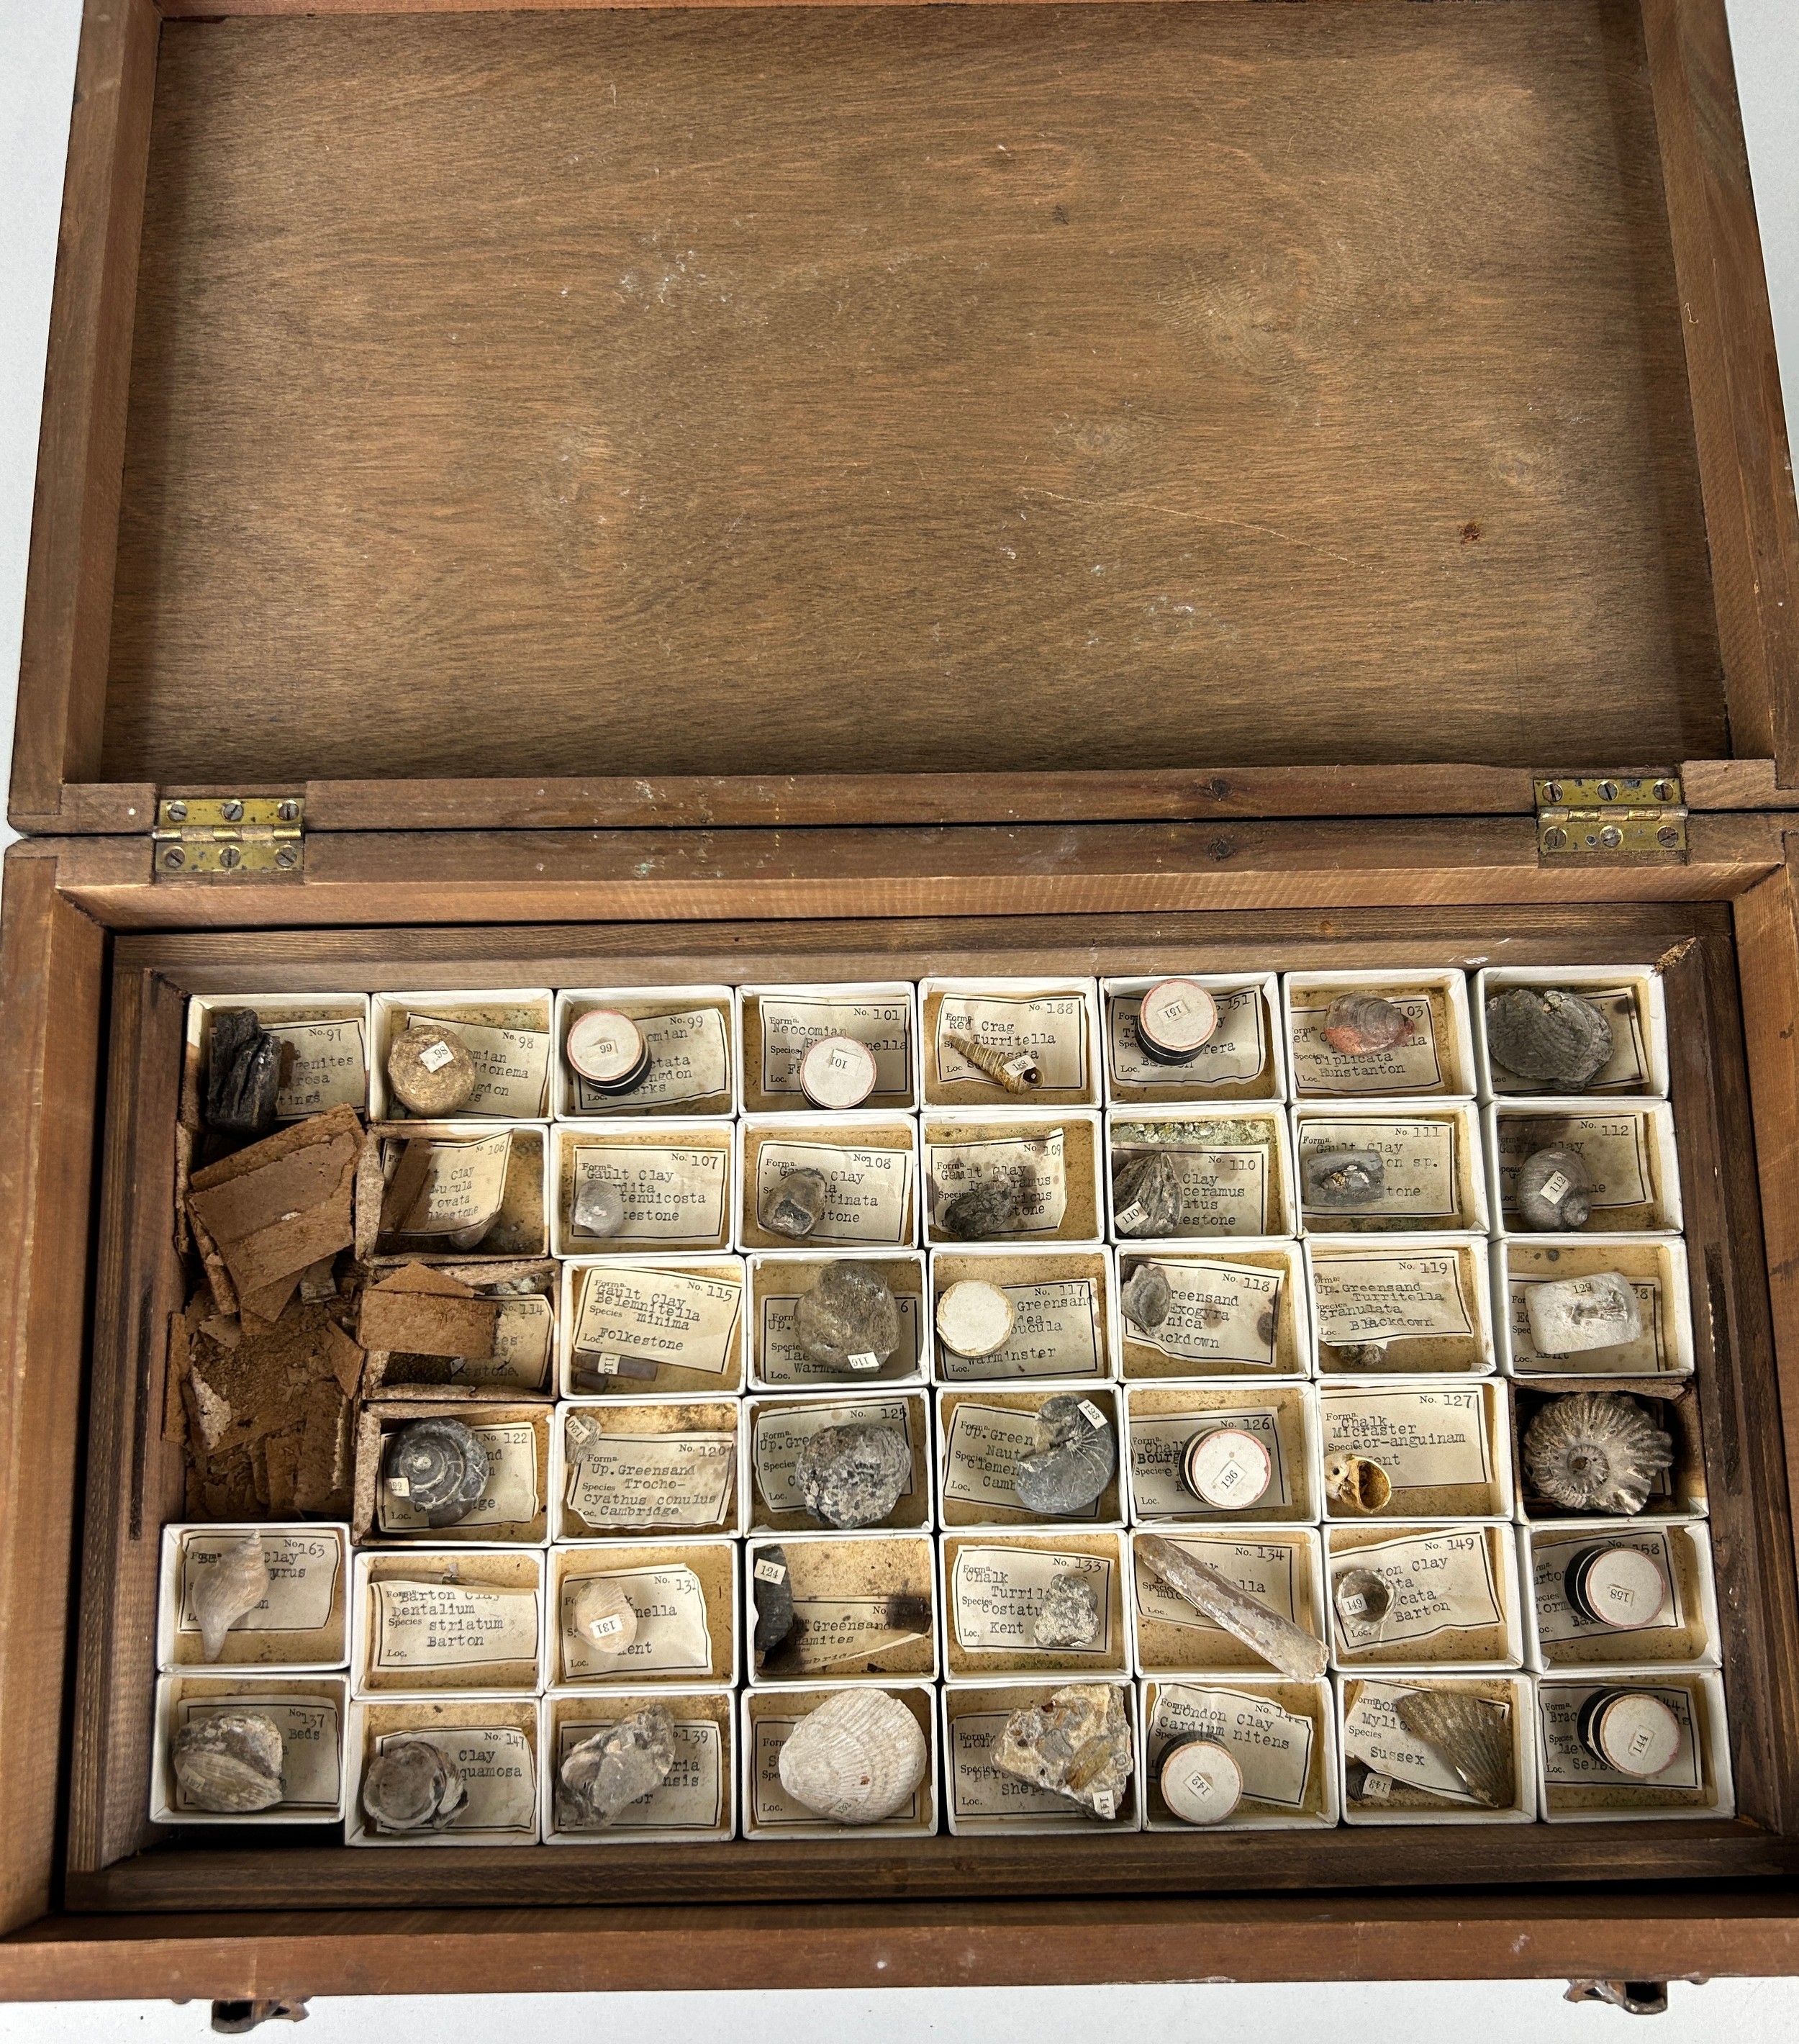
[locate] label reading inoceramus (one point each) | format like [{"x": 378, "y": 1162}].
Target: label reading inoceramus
[{"x": 1224, "y": 1188}]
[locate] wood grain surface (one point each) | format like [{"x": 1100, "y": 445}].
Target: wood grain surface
[{"x": 933, "y": 390}]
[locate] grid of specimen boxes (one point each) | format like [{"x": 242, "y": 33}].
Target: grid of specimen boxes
[{"x": 647, "y": 1401}]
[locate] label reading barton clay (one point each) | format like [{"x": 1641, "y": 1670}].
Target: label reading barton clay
[
  {"x": 1236, "y": 1051},
  {"x": 1614, "y": 1148},
  {"x": 790, "y": 1028},
  {"x": 785, "y": 1362},
  {"x": 1420, "y": 1438},
  {"x": 1158, "y": 1448},
  {"x": 1441, "y": 1582},
  {"x": 669, "y": 1195},
  {"x": 510, "y": 1499},
  {"x": 648, "y": 1479},
  {"x": 672, "y": 1634},
  {"x": 302, "y": 1587},
  {"x": 1412, "y": 1066},
  {"x": 1272, "y": 1747},
  {"x": 868, "y": 1195},
  {"x": 691, "y": 1797},
  {"x": 1381, "y": 1298},
  {"x": 980, "y": 1787},
  {"x": 1566, "y": 1760},
  {"x": 499, "y": 1772},
  {"x": 1055, "y": 1333},
  {"x": 328, "y": 1067},
  {"x": 511, "y": 1067},
  {"x": 981, "y": 1456},
  {"x": 311, "y": 1776},
  {"x": 428, "y": 1626},
  {"x": 1556, "y": 1619},
  {"x": 1218, "y": 1313},
  {"x": 1050, "y": 1028},
  {"x": 1267, "y": 1570},
  {"x": 996, "y": 1593},
  {"x": 1418, "y": 1158},
  {"x": 778, "y": 1433},
  {"x": 669, "y": 1317},
  {"x": 688, "y": 1061},
  {"x": 1034, "y": 1163}
]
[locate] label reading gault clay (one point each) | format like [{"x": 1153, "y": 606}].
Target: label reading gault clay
[
  {"x": 1224, "y": 1188},
  {"x": 868, "y": 1193},
  {"x": 1236, "y": 1051},
  {"x": 827, "y": 1632},
  {"x": 511, "y": 1498},
  {"x": 1614, "y": 1148},
  {"x": 770, "y": 1805},
  {"x": 1419, "y": 1158},
  {"x": 785, "y": 1362},
  {"x": 790, "y": 1028},
  {"x": 1379, "y": 1298},
  {"x": 672, "y": 1635},
  {"x": 980, "y": 1457},
  {"x": 463, "y": 1186},
  {"x": 1055, "y": 1333},
  {"x": 1412, "y": 1066},
  {"x": 1268, "y": 1570},
  {"x": 980, "y": 1787},
  {"x": 1566, "y": 1760},
  {"x": 1629, "y": 1064},
  {"x": 1556, "y": 1619},
  {"x": 1420, "y": 1438},
  {"x": 499, "y": 1772},
  {"x": 1034, "y": 1163},
  {"x": 670, "y": 1317},
  {"x": 1373, "y": 1735},
  {"x": 1051, "y": 1028},
  {"x": 1646, "y": 1355},
  {"x": 426, "y": 1625},
  {"x": 511, "y": 1067},
  {"x": 328, "y": 1067},
  {"x": 311, "y": 1775},
  {"x": 1158, "y": 1447},
  {"x": 669, "y": 1195},
  {"x": 1441, "y": 1582},
  {"x": 996, "y": 1593},
  {"x": 1218, "y": 1313},
  {"x": 1272, "y": 1747},
  {"x": 687, "y": 1061},
  {"x": 648, "y": 1479},
  {"x": 777, "y": 1434},
  {"x": 303, "y": 1569},
  {"x": 691, "y": 1797}
]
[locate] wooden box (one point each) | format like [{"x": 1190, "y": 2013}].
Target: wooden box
[{"x": 583, "y": 498}]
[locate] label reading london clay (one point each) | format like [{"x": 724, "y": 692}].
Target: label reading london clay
[
  {"x": 1272, "y": 1747},
  {"x": 648, "y": 1479},
  {"x": 303, "y": 1569},
  {"x": 328, "y": 1067},
  {"x": 1419, "y": 1158},
  {"x": 1218, "y": 1313},
  {"x": 433, "y": 1625},
  {"x": 1380, "y": 1298},
  {"x": 688, "y": 1061},
  {"x": 869, "y": 1192},
  {"x": 1050, "y": 1028},
  {"x": 671, "y": 1317},
  {"x": 669, "y": 1195},
  {"x": 1421, "y": 1439},
  {"x": 790, "y": 1028},
  {"x": 510, "y": 1499},
  {"x": 1158, "y": 1449},
  {"x": 996, "y": 1594},
  {"x": 511, "y": 1067},
  {"x": 1236, "y": 1051}
]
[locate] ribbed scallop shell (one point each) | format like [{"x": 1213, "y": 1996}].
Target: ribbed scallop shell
[
  {"x": 1596, "y": 1451},
  {"x": 230, "y": 1763},
  {"x": 1472, "y": 1737},
  {"x": 227, "y": 1589},
  {"x": 599, "y": 1613},
  {"x": 856, "y": 1759},
  {"x": 1555, "y": 1040}
]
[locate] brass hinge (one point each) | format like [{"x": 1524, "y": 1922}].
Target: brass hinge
[
  {"x": 229, "y": 837},
  {"x": 1619, "y": 819}
]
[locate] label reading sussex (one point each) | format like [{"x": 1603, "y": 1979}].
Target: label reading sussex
[
  {"x": 1441, "y": 1582},
  {"x": 1158, "y": 1448},
  {"x": 785, "y": 1362},
  {"x": 1412, "y": 1066},
  {"x": 511, "y": 1498},
  {"x": 771, "y": 1806},
  {"x": 499, "y": 1772},
  {"x": 687, "y": 1061},
  {"x": 1034, "y": 1163},
  {"x": 996, "y": 1594},
  {"x": 1055, "y": 1333},
  {"x": 1218, "y": 1313},
  {"x": 1377, "y": 1297},
  {"x": 1614, "y": 1148},
  {"x": 648, "y": 1479},
  {"x": 669, "y": 1195},
  {"x": 311, "y": 1776},
  {"x": 691, "y": 1797},
  {"x": 1420, "y": 1438},
  {"x": 511, "y": 1067},
  {"x": 1268, "y": 1570},
  {"x": 463, "y": 1186},
  {"x": 323, "y": 1065},
  {"x": 868, "y": 1193},
  {"x": 1418, "y": 1158},
  {"x": 1629, "y": 1064},
  {"x": 1236, "y": 1051},
  {"x": 1557, "y": 1619},
  {"x": 777, "y": 1434},
  {"x": 1373, "y": 1735},
  {"x": 672, "y": 1633},
  {"x": 303, "y": 1569},
  {"x": 790, "y": 1028},
  {"x": 1272, "y": 1747},
  {"x": 981, "y": 1455},
  {"x": 1225, "y": 1189},
  {"x": 1051, "y": 1028},
  {"x": 427, "y": 1625},
  {"x": 980, "y": 1788},
  {"x": 1647, "y": 1356},
  {"x": 670, "y": 1317},
  {"x": 1566, "y": 1760}
]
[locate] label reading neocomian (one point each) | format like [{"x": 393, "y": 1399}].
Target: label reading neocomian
[
  {"x": 996, "y": 1594},
  {"x": 1034, "y": 1164},
  {"x": 1567, "y": 1761},
  {"x": 1646, "y": 1356},
  {"x": 1441, "y": 1582},
  {"x": 868, "y": 1192},
  {"x": 772, "y": 1807},
  {"x": 463, "y": 1186},
  {"x": 1421, "y": 1439},
  {"x": 690, "y": 1796},
  {"x": 1268, "y": 1570},
  {"x": 777, "y": 1434},
  {"x": 323, "y": 1065},
  {"x": 687, "y": 1061},
  {"x": 979, "y": 1787},
  {"x": 1411, "y": 1066},
  {"x": 1218, "y": 1313},
  {"x": 511, "y": 1066},
  {"x": 498, "y": 1771},
  {"x": 672, "y": 1635},
  {"x": 1614, "y": 1148},
  {"x": 1557, "y": 1619},
  {"x": 981, "y": 1456},
  {"x": 303, "y": 1570},
  {"x": 431, "y": 1625},
  {"x": 1055, "y": 1333},
  {"x": 1049, "y": 1029},
  {"x": 672, "y": 1318},
  {"x": 669, "y": 1195},
  {"x": 1272, "y": 1747},
  {"x": 785, "y": 1362},
  {"x": 1629, "y": 1064},
  {"x": 790, "y": 1028},
  {"x": 1417, "y": 1161},
  {"x": 1379, "y": 1298},
  {"x": 1236, "y": 1052},
  {"x": 311, "y": 1777},
  {"x": 647, "y": 1479},
  {"x": 1373, "y": 1735},
  {"x": 510, "y": 1498},
  {"x": 1158, "y": 1442}
]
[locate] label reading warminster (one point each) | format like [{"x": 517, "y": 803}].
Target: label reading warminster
[
  {"x": 790, "y": 1028},
  {"x": 996, "y": 1593},
  {"x": 1647, "y": 1355},
  {"x": 1158, "y": 1448},
  {"x": 510, "y": 1499},
  {"x": 1629, "y": 1064},
  {"x": 1557, "y": 1619},
  {"x": 666, "y": 1316},
  {"x": 647, "y": 1479},
  {"x": 1235, "y": 1052},
  {"x": 771, "y": 1805},
  {"x": 1225, "y": 1188},
  {"x": 669, "y": 1195},
  {"x": 777, "y": 1434},
  {"x": 785, "y": 1362},
  {"x": 979, "y": 1788},
  {"x": 1272, "y": 1747},
  {"x": 1441, "y": 1582},
  {"x": 1412, "y": 1066},
  {"x": 1566, "y": 1760},
  {"x": 672, "y": 1634},
  {"x": 1268, "y": 1570},
  {"x": 1377, "y": 1297},
  {"x": 1055, "y": 1333},
  {"x": 311, "y": 1776},
  {"x": 1373, "y": 1735},
  {"x": 1051, "y": 1029},
  {"x": 463, "y": 1186},
  {"x": 499, "y": 1772},
  {"x": 451, "y": 1625},
  {"x": 328, "y": 1067},
  {"x": 1418, "y": 1157},
  {"x": 691, "y": 1797},
  {"x": 1420, "y": 1438},
  {"x": 1034, "y": 1163},
  {"x": 511, "y": 1067},
  {"x": 868, "y": 1193},
  {"x": 687, "y": 1061},
  {"x": 1614, "y": 1148},
  {"x": 830, "y": 1631},
  {"x": 1218, "y": 1313},
  {"x": 980, "y": 1457},
  {"x": 303, "y": 1569}
]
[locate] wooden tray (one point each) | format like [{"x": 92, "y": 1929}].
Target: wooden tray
[{"x": 1017, "y": 488}]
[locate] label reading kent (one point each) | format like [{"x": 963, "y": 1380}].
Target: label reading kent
[
  {"x": 690, "y": 1798},
  {"x": 1629, "y": 1064},
  {"x": 1412, "y": 1066},
  {"x": 1236, "y": 1052},
  {"x": 499, "y": 1772},
  {"x": 1557, "y": 1619},
  {"x": 1268, "y": 1570},
  {"x": 669, "y": 1195},
  {"x": 980, "y": 1787},
  {"x": 650, "y": 1480},
  {"x": 1035, "y": 1164},
  {"x": 673, "y": 1318},
  {"x": 981, "y": 1455},
  {"x": 1567, "y": 1761},
  {"x": 790, "y": 1028},
  {"x": 323, "y": 1065},
  {"x": 1614, "y": 1148},
  {"x": 433, "y": 1625},
  {"x": 510, "y": 1499},
  {"x": 1218, "y": 1313},
  {"x": 785, "y": 1362},
  {"x": 1377, "y": 1297},
  {"x": 1158, "y": 1442},
  {"x": 311, "y": 1772},
  {"x": 687, "y": 1061},
  {"x": 1272, "y": 1747},
  {"x": 868, "y": 1195},
  {"x": 511, "y": 1066},
  {"x": 1055, "y": 1333},
  {"x": 1050, "y": 1027},
  {"x": 1419, "y": 1158},
  {"x": 1441, "y": 1582},
  {"x": 672, "y": 1635},
  {"x": 303, "y": 1569},
  {"x": 777, "y": 1433},
  {"x": 1646, "y": 1356},
  {"x": 1420, "y": 1438},
  {"x": 996, "y": 1594}
]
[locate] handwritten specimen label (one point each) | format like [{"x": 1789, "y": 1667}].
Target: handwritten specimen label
[
  {"x": 669, "y": 1195},
  {"x": 672, "y": 1634},
  {"x": 1236, "y": 1051},
  {"x": 1557, "y": 1619},
  {"x": 1050, "y": 1028},
  {"x": 691, "y": 1798},
  {"x": 463, "y": 1186},
  {"x": 1218, "y": 1313},
  {"x": 979, "y": 1787},
  {"x": 303, "y": 1570},
  {"x": 1418, "y": 1158},
  {"x": 427, "y": 1625},
  {"x": 1629, "y": 1064},
  {"x": 790, "y": 1028},
  {"x": 1035, "y": 1164},
  {"x": 1268, "y": 1570},
  {"x": 1412, "y": 1066},
  {"x": 688, "y": 1060},
  {"x": 648, "y": 1479},
  {"x": 996, "y": 1593},
  {"x": 323, "y": 1065},
  {"x": 673, "y": 1317},
  {"x": 511, "y": 1067},
  {"x": 868, "y": 1195},
  {"x": 311, "y": 1764},
  {"x": 1420, "y": 1438},
  {"x": 499, "y": 1772},
  {"x": 1376, "y": 1297},
  {"x": 777, "y": 1433},
  {"x": 1441, "y": 1582},
  {"x": 785, "y": 1362},
  {"x": 1566, "y": 1760},
  {"x": 1373, "y": 1735},
  {"x": 511, "y": 1496},
  {"x": 1158, "y": 1449}
]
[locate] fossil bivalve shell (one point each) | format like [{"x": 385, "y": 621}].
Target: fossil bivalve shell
[
  {"x": 849, "y": 1316},
  {"x": 229, "y": 1763},
  {"x": 1555, "y": 1040},
  {"x": 795, "y": 1205},
  {"x": 1472, "y": 1738},
  {"x": 1362, "y": 1025},
  {"x": 1146, "y": 1194},
  {"x": 601, "y": 1615},
  {"x": 1077, "y": 1745},
  {"x": 227, "y": 1589},
  {"x": 857, "y": 1759},
  {"x": 1147, "y": 1296},
  {"x": 412, "y": 1786},
  {"x": 1596, "y": 1451}
]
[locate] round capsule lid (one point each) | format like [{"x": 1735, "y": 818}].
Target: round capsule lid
[
  {"x": 606, "y": 1046},
  {"x": 1177, "y": 1018},
  {"x": 1635, "y": 1733},
  {"x": 1201, "y": 1783},
  {"x": 974, "y": 1318},
  {"x": 1227, "y": 1468},
  {"x": 837, "y": 1072},
  {"x": 1621, "y": 1587}
]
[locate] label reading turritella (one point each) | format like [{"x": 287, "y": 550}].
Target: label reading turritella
[
  {"x": 323, "y": 1065},
  {"x": 669, "y": 1195},
  {"x": 511, "y": 1066},
  {"x": 1272, "y": 1747},
  {"x": 511, "y": 1497},
  {"x": 1379, "y": 1298},
  {"x": 639, "y": 1480},
  {"x": 1418, "y": 1159},
  {"x": 790, "y": 1028},
  {"x": 1034, "y": 1163},
  {"x": 869, "y": 1192},
  {"x": 421, "y": 1626},
  {"x": 303, "y": 1570},
  {"x": 980, "y": 1787},
  {"x": 672, "y": 1634},
  {"x": 311, "y": 1775},
  {"x": 1055, "y": 1333},
  {"x": 779, "y": 1433},
  {"x": 673, "y": 1317},
  {"x": 499, "y": 1772},
  {"x": 1268, "y": 1570},
  {"x": 1218, "y": 1313},
  {"x": 996, "y": 1594},
  {"x": 691, "y": 1797},
  {"x": 1158, "y": 1442},
  {"x": 1441, "y": 1582},
  {"x": 1412, "y": 1066},
  {"x": 687, "y": 1061},
  {"x": 1421, "y": 1439},
  {"x": 1050, "y": 1027}
]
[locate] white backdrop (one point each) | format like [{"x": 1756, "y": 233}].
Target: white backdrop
[{"x": 38, "y": 44}]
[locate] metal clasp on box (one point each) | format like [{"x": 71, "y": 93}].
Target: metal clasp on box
[
  {"x": 1635, "y": 819},
  {"x": 229, "y": 837}
]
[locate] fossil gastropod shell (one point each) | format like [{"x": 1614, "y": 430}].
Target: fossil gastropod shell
[
  {"x": 1596, "y": 1451},
  {"x": 440, "y": 1467},
  {"x": 229, "y": 1762},
  {"x": 1017, "y": 1071},
  {"x": 1555, "y": 1190},
  {"x": 227, "y": 1588},
  {"x": 412, "y": 1786},
  {"x": 1357, "y": 1484},
  {"x": 857, "y": 1759},
  {"x": 600, "y": 1614}
]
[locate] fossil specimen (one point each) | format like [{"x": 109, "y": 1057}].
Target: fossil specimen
[
  {"x": 227, "y": 1589},
  {"x": 1069, "y": 1615},
  {"x": 243, "y": 1074},
  {"x": 1362, "y": 1025},
  {"x": 1146, "y": 1193},
  {"x": 771, "y": 1590},
  {"x": 1343, "y": 1180},
  {"x": 1073, "y": 1455},
  {"x": 1278, "y": 1642},
  {"x": 849, "y": 1314},
  {"x": 975, "y": 1318},
  {"x": 599, "y": 1613},
  {"x": 795, "y": 1205},
  {"x": 412, "y": 1786},
  {"x": 1147, "y": 1296},
  {"x": 430, "y": 1070},
  {"x": 440, "y": 1466},
  {"x": 1570, "y": 1315},
  {"x": 1555, "y": 1040},
  {"x": 1017, "y": 1071},
  {"x": 1363, "y": 1598},
  {"x": 1596, "y": 1451},
  {"x": 1356, "y": 1483},
  {"x": 230, "y": 1763},
  {"x": 609, "y": 1770},
  {"x": 1471, "y": 1737},
  {"x": 855, "y": 1760},
  {"x": 1077, "y": 1745},
  {"x": 1555, "y": 1190},
  {"x": 989, "y": 1207},
  {"x": 599, "y": 1207},
  {"x": 853, "y": 1475}
]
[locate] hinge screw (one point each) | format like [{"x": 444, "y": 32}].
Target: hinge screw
[
  {"x": 1668, "y": 838},
  {"x": 1663, "y": 791},
  {"x": 1555, "y": 839},
  {"x": 287, "y": 856},
  {"x": 1552, "y": 790},
  {"x": 1611, "y": 837},
  {"x": 233, "y": 811},
  {"x": 1608, "y": 791},
  {"x": 229, "y": 856},
  {"x": 288, "y": 811},
  {"x": 175, "y": 856},
  {"x": 177, "y": 813}
]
